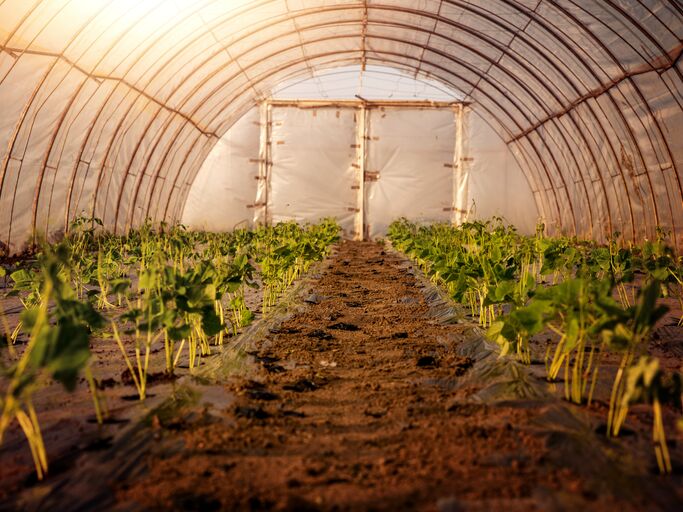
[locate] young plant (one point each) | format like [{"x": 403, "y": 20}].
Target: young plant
[
  {"x": 58, "y": 328},
  {"x": 146, "y": 317},
  {"x": 627, "y": 333},
  {"x": 646, "y": 382}
]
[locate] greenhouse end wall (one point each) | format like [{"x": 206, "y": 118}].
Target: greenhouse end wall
[{"x": 490, "y": 183}]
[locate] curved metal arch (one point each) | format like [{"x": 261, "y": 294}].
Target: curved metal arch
[
  {"x": 156, "y": 173},
  {"x": 546, "y": 25},
  {"x": 590, "y": 150},
  {"x": 87, "y": 139},
  {"x": 152, "y": 121},
  {"x": 562, "y": 39},
  {"x": 587, "y": 145},
  {"x": 640, "y": 28},
  {"x": 39, "y": 87},
  {"x": 15, "y": 133},
  {"x": 661, "y": 139},
  {"x": 158, "y": 168},
  {"x": 29, "y": 104},
  {"x": 392, "y": 8},
  {"x": 62, "y": 118},
  {"x": 11, "y": 34},
  {"x": 73, "y": 99},
  {"x": 500, "y": 92},
  {"x": 446, "y": 70},
  {"x": 169, "y": 61},
  {"x": 526, "y": 164},
  {"x": 385, "y": 54},
  {"x": 563, "y": 42},
  {"x": 644, "y": 102},
  {"x": 615, "y": 61}
]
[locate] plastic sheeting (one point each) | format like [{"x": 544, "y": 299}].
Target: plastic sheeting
[
  {"x": 110, "y": 108},
  {"x": 314, "y": 162},
  {"x": 496, "y": 185},
  {"x": 424, "y": 163},
  {"x": 411, "y": 155},
  {"x": 222, "y": 196}
]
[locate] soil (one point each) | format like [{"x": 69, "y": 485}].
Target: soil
[
  {"x": 67, "y": 420},
  {"x": 364, "y": 399},
  {"x": 358, "y": 405}
]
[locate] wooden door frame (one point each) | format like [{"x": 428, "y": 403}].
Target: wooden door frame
[{"x": 363, "y": 107}]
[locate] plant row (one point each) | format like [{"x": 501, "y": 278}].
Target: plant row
[
  {"x": 598, "y": 300},
  {"x": 156, "y": 287}
]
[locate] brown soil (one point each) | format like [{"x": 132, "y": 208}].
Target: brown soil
[
  {"x": 362, "y": 399},
  {"x": 67, "y": 420},
  {"x": 359, "y": 405}
]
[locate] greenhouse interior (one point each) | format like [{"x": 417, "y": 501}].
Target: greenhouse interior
[{"x": 341, "y": 255}]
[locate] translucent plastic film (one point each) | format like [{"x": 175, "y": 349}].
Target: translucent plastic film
[
  {"x": 110, "y": 108},
  {"x": 314, "y": 165},
  {"x": 409, "y": 167},
  {"x": 223, "y": 194}
]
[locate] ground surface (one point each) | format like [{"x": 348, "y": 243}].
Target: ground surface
[
  {"x": 67, "y": 420},
  {"x": 364, "y": 400},
  {"x": 358, "y": 406}
]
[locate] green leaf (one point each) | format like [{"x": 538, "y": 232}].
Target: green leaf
[
  {"x": 119, "y": 286},
  {"x": 69, "y": 355},
  {"x": 179, "y": 333},
  {"x": 147, "y": 280},
  {"x": 532, "y": 317},
  {"x": 211, "y": 322},
  {"x": 23, "y": 279}
]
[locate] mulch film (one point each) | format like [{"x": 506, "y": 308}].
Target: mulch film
[{"x": 365, "y": 389}]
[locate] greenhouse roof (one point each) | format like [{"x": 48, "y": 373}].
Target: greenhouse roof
[{"x": 110, "y": 107}]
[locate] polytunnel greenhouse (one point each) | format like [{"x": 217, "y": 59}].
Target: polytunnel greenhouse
[{"x": 341, "y": 255}]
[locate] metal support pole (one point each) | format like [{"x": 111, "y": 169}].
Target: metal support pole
[
  {"x": 362, "y": 157},
  {"x": 460, "y": 177},
  {"x": 265, "y": 160}
]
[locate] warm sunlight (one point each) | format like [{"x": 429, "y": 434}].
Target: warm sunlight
[{"x": 341, "y": 255}]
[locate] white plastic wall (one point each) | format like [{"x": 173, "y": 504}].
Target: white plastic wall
[
  {"x": 313, "y": 173},
  {"x": 223, "y": 194},
  {"x": 315, "y": 160},
  {"x": 412, "y": 153},
  {"x": 496, "y": 185}
]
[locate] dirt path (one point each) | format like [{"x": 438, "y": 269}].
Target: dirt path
[{"x": 357, "y": 406}]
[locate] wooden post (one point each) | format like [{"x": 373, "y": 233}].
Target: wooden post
[
  {"x": 265, "y": 162},
  {"x": 460, "y": 177},
  {"x": 363, "y": 142}
]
